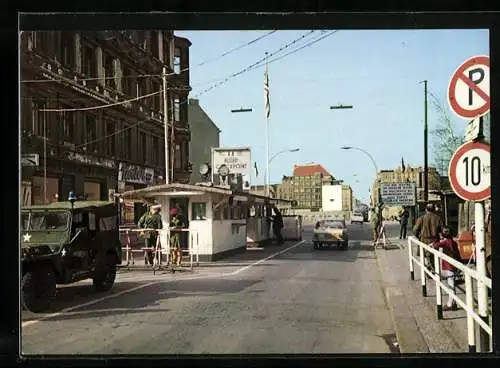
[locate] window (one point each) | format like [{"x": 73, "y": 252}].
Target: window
[
  {"x": 155, "y": 44},
  {"x": 68, "y": 124},
  {"x": 91, "y": 132},
  {"x": 89, "y": 61},
  {"x": 39, "y": 119},
  {"x": 199, "y": 211},
  {"x": 67, "y": 49},
  {"x": 155, "y": 99},
  {"x": 141, "y": 86},
  {"x": 217, "y": 213},
  {"x": 143, "y": 145},
  {"x": 177, "y": 157},
  {"x": 127, "y": 142},
  {"x": 226, "y": 212},
  {"x": 177, "y": 110},
  {"x": 107, "y": 223},
  {"x": 177, "y": 61},
  {"x": 126, "y": 80},
  {"x": 110, "y": 138},
  {"x": 42, "y": 40},
  {"x": 155, "y": 150},
  {"x": 109, "y": 71}
]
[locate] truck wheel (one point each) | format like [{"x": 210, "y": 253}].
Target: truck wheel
[
  {"x": 104, "y": 278},
  {"x": 38, "y": 287}
]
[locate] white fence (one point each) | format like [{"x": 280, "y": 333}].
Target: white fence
[
  {"x": 162, "y": 247},
  {"x": 468, "y": 305}
]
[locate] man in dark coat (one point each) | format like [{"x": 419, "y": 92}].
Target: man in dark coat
[
  {"x": 151, "y": 220},
  {"x": 278, "y": 225},
  {"x": 427, "y": 229},
  {"x": 403, "y": 221}
]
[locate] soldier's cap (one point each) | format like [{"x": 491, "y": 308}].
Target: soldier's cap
[
  {"x": 429, "y": 207},
  {"x": 156, "y": 207}
]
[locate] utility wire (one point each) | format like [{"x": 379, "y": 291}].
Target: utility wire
[{"x": 160, "y": 75}]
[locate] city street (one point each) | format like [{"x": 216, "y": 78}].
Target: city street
[{"x": 282, "y": 299}]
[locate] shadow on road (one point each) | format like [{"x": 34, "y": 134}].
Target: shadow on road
[{"x": 153, "y": 298}]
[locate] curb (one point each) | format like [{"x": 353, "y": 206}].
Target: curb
[{"x": 408, "y": 335}]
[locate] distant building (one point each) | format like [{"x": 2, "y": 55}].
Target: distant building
[
  {"x": 305, "y": 186},
  {"x": 346, "y": 198},
  {"x": 204, "y": 136},
  {"x": 261, "y": 190}
]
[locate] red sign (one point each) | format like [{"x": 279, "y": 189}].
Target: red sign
[
  {"x": 469, "y": 171},
  {"x": 469, "y": 88}
]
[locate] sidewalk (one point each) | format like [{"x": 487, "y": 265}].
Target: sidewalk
[{"x": 415, "y": 316}]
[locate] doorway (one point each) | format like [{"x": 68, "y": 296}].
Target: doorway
[{"x": 182, "y": 205}]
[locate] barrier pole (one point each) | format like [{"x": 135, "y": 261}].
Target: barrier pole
[
  {"x": 410, "y": 256},
  {"x": 191, "y": 250},
  {"x": 471, "y": 332},
  {"x": 127, "y": 257},
  {"x": 439, "y": 291},
  {"x": 482, "y": 290},
  {"x": 422, "y": 270},
  {"x": 197, "y": 250}
]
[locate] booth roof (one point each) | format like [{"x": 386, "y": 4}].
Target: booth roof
[{"x": 174, "y": 187}]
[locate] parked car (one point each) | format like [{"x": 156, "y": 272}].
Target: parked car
[
  {"x": 330, "y": 232},
  {"x": 357, "y": 217}
]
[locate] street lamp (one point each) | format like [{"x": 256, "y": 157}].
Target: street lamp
[
  {"x": 373, "y": 162},
  {"x": 270, "y": 160}
]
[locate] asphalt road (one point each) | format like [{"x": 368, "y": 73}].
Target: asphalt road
[{"x": 283, "y": 299}]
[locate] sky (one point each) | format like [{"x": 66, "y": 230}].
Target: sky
[{"x": 378, "y": 72}]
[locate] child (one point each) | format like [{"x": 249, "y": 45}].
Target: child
[{"x": 450, "y": 248}]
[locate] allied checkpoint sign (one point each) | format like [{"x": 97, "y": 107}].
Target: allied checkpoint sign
[
  {"x": 232, "y": 167},
  {"x": 469, "y": 88},
  {"x": 398, "y": 194},
  {"x": 469, "y": 171}
]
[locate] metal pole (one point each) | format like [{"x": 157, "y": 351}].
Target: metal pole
[
  {"x": 439, "y": 292},
  {"x": 426, "y": 167},
  {"x": 482, "y": 291},
  {"x": 422, "y": 270},
  {"x": 267, "y": 141},
  {"x": 469, "y": 299},
  {"x": 44, "y": 158},
  {"x": 410, "y": 256},
  {"x": 165, "y": 124}
]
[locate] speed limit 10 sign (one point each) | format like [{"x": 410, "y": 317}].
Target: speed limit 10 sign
[{"x": 469, "y": 171}]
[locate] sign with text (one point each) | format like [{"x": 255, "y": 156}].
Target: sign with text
[
  {"x": 30, "y": 159},
  {"x": 135, "y": 174},
  {"x": 398, "y": 194},
  {"x": 232, "y": 167}
]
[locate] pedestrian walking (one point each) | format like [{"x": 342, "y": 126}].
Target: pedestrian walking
[
  {"x": 403, "y": 221},
  {"x": 427, "y": 229},
  {"x": 175, "y": 226},
  {"x": 375, "y": 223},
  {"x": 448, "y": 271},
  {"x": 277, "y": 225},
  {"x": 151, "y": 220}
]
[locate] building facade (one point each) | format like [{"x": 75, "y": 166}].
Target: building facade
[
  {"x": 331, "y": 198},
  {"x": 94, "y": 151},
  {"x": 305, "y": 186},
  {"x": 346, "y": 198},
  {"x": 204, "y": 136}
]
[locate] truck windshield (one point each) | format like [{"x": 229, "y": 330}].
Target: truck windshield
[{"x": 42, "y": 221}]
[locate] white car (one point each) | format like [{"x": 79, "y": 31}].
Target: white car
[{"x": 357, "y": 217}]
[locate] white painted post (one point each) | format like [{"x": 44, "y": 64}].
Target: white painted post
[
  {"x": 422, "y": 270},
  {"x": 482, "y": 290},
  {"x": 197, "y": 249},
  {"x": 471, "y": 332},
  {"x": 410, "y": 257},
  {"x": 439, "y": 292},
  {"x": 191, "y": 250}
]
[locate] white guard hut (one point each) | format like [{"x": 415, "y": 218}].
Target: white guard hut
[{"x": 216, "y": 218}]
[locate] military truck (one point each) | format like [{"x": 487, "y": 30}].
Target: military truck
[{"x": 66, "y": 242}]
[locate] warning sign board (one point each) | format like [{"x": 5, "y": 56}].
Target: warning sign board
[
  {"x": 398, "y": 194},
  {"x": 469, "y": 88}
]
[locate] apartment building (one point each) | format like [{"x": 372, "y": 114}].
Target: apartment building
[
  {"x": 75, "y": 146},
  {"x": 305, "y": 186}
]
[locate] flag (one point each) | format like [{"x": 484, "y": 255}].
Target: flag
[
  {"x": 403, "y": 167},
  {"x": 256, "y": 170},
  {"x": 267, "y": 105}
]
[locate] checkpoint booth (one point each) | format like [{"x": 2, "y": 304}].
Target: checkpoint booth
[{"x": 216, "y": 218}]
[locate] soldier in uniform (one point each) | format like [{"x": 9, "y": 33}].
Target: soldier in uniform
[
  {"x": 151, "y": 220},
  {"x": 175, "y": 236},
  {"x": 375, "y": 222},
  {"x": 427, "y": 230}
]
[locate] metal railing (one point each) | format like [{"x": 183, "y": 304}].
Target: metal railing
[
  {"x": 468, "y": 305},
  {"x": 161, "y": 248}
]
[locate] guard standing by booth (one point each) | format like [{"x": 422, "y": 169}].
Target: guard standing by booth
[{"x": 175, "y": 227}]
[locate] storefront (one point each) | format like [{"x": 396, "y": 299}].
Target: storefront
[{"x": 133, "y": 177}]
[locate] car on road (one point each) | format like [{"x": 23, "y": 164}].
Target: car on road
[
  {"x": 357, "y": 217},
  {"x": 330, "y": 232},
  {"x": 63, "y": 243}
]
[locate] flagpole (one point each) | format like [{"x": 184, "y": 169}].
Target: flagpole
[{"x": 267, "y": 133}]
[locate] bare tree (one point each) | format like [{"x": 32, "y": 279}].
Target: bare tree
[{"x": 445, "y": 139}]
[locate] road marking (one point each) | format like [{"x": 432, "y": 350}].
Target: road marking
[
  {"x": 127, "y": 291},
  {"x": 263, "y": 260},
  {"x": 107, "y": 297}
]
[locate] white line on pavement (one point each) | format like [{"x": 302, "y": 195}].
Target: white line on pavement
[{"x": 127, "y": 291}]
